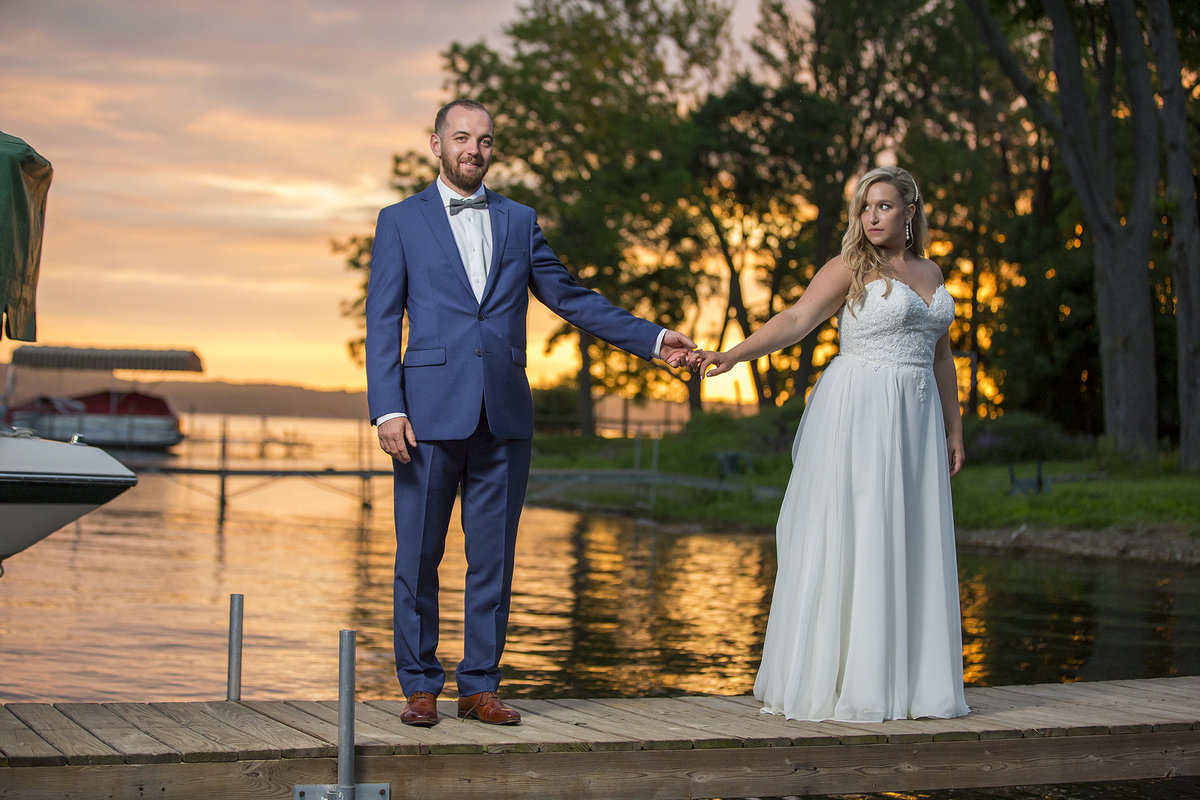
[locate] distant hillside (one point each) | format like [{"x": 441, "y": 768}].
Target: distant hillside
[
  {"x": 277, "y": 400},
  {"x": 203, "y": 397},
  {"x": 264, "y": 398}
]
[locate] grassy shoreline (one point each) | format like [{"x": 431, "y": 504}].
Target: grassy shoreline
[{"x": 1080, "y": 493}]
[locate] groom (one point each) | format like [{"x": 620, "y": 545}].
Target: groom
[{"x": 454, "y": 411}]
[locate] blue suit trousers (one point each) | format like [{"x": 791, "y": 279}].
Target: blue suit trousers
[{"x": 492, "y": 475}]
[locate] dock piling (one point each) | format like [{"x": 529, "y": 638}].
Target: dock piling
[
  {"x": 346, "y": 788},
  {"x": 346, "y": 716},
  {"x": 233, "y": 689}
]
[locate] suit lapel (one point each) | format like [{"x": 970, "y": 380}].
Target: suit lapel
[
  {"x": 498, "y": 213},
  {"x": 435, "y": 216}
]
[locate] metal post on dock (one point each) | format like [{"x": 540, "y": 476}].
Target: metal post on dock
[
  {"x": 346, "y": 716},
  {"x": 346, "y": 788},
  {"x": 234, "y": 685}
]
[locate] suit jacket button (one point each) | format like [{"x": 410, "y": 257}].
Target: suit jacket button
[
  {"x": 478, "y": 353},
  {"x": 482, "y": 315}
]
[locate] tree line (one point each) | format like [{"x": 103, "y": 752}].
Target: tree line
[{"x": 702, "y": 183}]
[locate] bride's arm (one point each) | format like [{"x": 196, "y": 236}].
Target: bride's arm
[
  {"x": 947, "y": 383},
  {"x": 820, "y": 301}
]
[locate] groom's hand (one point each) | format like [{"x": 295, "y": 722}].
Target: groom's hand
[
  {"x": 675, "y": 348},
  {"x": 395, "y": 437}
]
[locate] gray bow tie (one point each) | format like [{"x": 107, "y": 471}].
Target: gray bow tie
[{"x": 457, "y": 205}]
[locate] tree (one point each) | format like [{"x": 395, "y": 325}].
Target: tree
[
  {"x": 825, "y": 97},
  {"x": 1185, "y": 222},
  {"x": 587, "y": 106},
  {"x": 980, "y": 163},
  {"x": 1121, "y": 211}
]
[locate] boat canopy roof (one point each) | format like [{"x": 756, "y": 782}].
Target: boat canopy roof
[{"x": 30, "y": 355}]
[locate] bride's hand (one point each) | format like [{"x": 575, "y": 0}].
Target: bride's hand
[{"x": 709, "y": 363}]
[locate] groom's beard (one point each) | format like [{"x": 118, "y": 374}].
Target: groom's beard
[{"x": 466, "y": 179}]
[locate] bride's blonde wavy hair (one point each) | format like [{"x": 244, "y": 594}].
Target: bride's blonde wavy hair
[{"x": 858, "y": 254}]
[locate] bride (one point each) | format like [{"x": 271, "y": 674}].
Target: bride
[{"x": 864, "y": 622}]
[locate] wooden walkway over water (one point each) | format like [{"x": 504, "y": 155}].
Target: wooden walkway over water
[{"x": 645, "y": 748}]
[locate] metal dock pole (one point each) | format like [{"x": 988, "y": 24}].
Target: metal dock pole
[
  {"x": 346, "y": 788},
  {"x": 346, "y": 716},
  {"x": 234, "y": 685}
]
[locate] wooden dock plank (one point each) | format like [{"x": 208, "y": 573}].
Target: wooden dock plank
[
  {"x": 845, "y": 732},
  {"x": 600, "y": 737},
  {"x": 654, "y": 734},
  {"x": 287, "y": 714},
  {"x": 770, "y": 730},
  {"x": 137, "y": 746},
  {"x": 717, "y": 730},
  {"x": 191, "y": 745},
  {"x": 614, "y": 749},
  {"x": 1177, "y": 696},
  {"x": 1086, "y": 710},
  {"x": 547, "y": 734},
  {"x": 608, "y": 725},
  {"x": 369, "y": 739},
  {"x": 20, "y": 746},
  {"x": 553, "y": 736},
  {"x": 226, "y": 780},
  {"x": 493, "y": 738},
  {"x": 641, "y": 775},
  {"x": 1026, "y": 713},
  {"x": 245, "y": 745},
  {"x": 440, "y": 739},
  {"x": 79, "y": 746},
  {"x": 788, "y": 771},
  {"x": 745, "y": 728},
  {"x": 1111, "y": 711},
  {"x": 403, "y": 739},
  {"x": 294, "y": 743},
  {"x": 867, "y": 733},
  {"x": 1184, "y": 689}
]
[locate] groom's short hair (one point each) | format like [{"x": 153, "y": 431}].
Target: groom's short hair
[{"x": 439, "y": 122}]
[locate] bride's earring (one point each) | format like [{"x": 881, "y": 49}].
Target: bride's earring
[{"x": 907, "y": 232}]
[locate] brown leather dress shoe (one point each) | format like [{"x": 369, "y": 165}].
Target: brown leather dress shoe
[
  {"x": 420, "y": 709},
  {"x": 486, "y": 707}
]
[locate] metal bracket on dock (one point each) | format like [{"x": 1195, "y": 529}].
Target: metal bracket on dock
[{"x": 330, "y": 791}]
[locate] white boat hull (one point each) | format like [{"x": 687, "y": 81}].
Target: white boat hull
[{"x": 45, "y": 485}]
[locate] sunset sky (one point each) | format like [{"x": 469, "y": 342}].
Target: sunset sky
[{"x": 205, "y": 155}]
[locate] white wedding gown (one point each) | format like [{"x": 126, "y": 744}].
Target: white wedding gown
[{"x": 864, "y": 622}]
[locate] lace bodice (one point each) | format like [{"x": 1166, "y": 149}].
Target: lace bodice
[{"x": 897, "y": 329}]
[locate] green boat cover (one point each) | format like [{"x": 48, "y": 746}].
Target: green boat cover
[{"x": 24, "y": 183}]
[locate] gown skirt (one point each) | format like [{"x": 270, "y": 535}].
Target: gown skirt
[{"x": 864, "y": 622}]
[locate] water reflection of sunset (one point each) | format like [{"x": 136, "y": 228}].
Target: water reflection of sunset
[
  {"x": 706, "y": 586},
  {"x": 131, "y": 603},
  {"x": 973, "y": 600}
]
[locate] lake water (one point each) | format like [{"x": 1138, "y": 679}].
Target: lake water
[{"x": 131, "y": 603}]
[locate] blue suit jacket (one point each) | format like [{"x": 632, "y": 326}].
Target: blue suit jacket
[{"x": 462, "y": 352}]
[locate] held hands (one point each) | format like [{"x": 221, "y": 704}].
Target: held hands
[
  {"x": 395, "y": 437},
  {"x": 709, "y": 363},
  {"x": 676, "y": 348}
]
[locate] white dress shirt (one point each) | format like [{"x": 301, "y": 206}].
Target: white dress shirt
[{"x": 472, "y": 229}]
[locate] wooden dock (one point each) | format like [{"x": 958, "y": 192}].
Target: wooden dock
[{"x": 644, "y": 748}]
